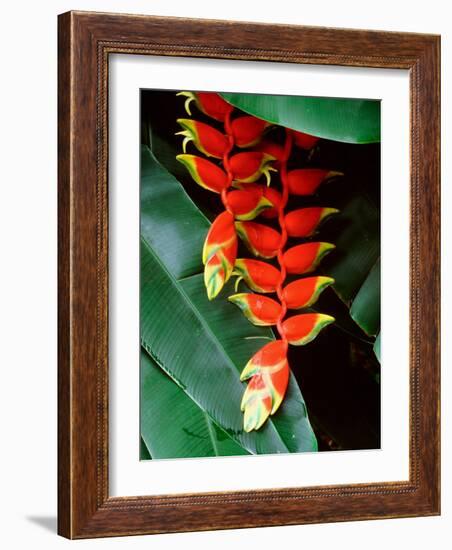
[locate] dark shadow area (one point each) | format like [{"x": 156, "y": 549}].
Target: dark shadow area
[{"x": 49, "y": 523}]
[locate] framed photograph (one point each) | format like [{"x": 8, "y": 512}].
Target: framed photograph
[{"x": 248, "y": 275}]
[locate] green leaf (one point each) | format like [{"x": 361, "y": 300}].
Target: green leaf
[
  {"x": 355, "y": 264},
  {"x": 202, "y": 345},
  {"x": 172, "y": 425},
  {"x": 347, "y": 120},
  {"x": 365, "y": 308}
]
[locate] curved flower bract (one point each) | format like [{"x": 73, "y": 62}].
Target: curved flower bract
[
  {"x": 304, "y": 258},
  {"x": 246, "y": 204},
  {"x": 260, "y": 310},
  {"x": 205, "y": 173},
  {"x": 304, "y": 221},
  {"x": 248, "y": 130},
  {"x": 304, "y": 141},
  {"x": 261, "y": 240},
  {"x": 302, "y": 329},
  {"x": 268, "y": 372},
  {"x": 210, "y": 103},
  {"x": 207, "y": 140},
  {"x": 259, "y": 276},
  {"x": 305, "y": 292},
  {"x": 305, "y": 181},
  {"x": 250, "y": 166},
  {"x": 219, "y": 254}
]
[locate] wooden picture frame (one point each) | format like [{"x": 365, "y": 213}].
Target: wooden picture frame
[{"x": 86, "y": 40}]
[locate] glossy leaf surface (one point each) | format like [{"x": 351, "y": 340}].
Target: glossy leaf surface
[
  {"x": 348, "y": 120},
  {"x": 172, "y": 424}
]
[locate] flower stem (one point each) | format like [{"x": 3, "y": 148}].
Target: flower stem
[
  {"x": 226, "y": 165},
  {"x": 281, "y": 220}
]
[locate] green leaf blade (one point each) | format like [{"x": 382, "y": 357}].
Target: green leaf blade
[
  {"x": 172, "y": 425},
  {"x": 340, "y": 119}
]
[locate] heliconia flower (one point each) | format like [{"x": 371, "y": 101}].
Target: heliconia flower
[
  {"x": 207, "y": 139},
  {"x": 304, "y": 221},
  {"x": 305, "y": 292},
  {"x": 219, "y": 253},
  {"x": 305, "y": 181},
  {"x": 269, "y": 372},
  {"x": 248, "y": 167},
  {"x": 259, "y": 276},
  {"x": 248, "y": 130},
  {"x": 274, "y": 149},
  {"x": 261, "y": 240},
  {"x": 302, "y": 329},
  {"x": 210, "y": 103},
  {"x": 304, "y": 141},
  {"x": 205, "y": 173},
  {"x": 260, "y": 310},
  {"x": 246, "y": 204},
  {"x": 304, "y": 258}
]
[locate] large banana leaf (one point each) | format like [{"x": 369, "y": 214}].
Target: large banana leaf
[
  {"x": 172, "y": 425},
  {"x": 341, "y": 119},
  {"x": 202, "y": 345},
  {"x": 355, "y": 263}
]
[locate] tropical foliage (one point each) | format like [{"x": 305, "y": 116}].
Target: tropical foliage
[{"x": 203, "y": 360}]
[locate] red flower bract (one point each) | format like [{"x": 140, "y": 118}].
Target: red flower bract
[
  {"x": 304, "y": 293},
  {"x": 208, "y": 140},
  {"x": 305, "y": 181},
  {"x": 262, "y": 240},
  {"x": 304, "y": 258},
  {"x": 304, "y": 221},
  {"x": 248, "y": 130},
  {"x": 248, "y": 167},
  {"x": 305, "y": 141},
  {"x": 205, "y": 173}
]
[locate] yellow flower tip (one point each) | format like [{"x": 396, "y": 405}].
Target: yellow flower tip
[
  {"x": 326, "y": 319},
  {"x": 334, "y": 174},
  {"x": 213, "y": 290}
]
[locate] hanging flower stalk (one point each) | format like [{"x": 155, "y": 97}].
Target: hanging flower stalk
[{"x": 237, "y": 178}]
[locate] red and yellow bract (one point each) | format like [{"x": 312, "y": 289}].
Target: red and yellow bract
[
  {"x": 247, "y": 204},
  {"x": 204, "y": 172},
  {"x": 207, "y": 139},
  {"x": 304, "y": 221},
  {"x": 210, "y": 103},
  {"x": 261, "y": 240},
  {"x": 248, "y": 130},
  {"x": 301, "y": 329},
  {"x": 219, "y": 253},
  {"x": 250, "y": 166},
  {"x": 260, "y": 310},
  {"x": 259, "y": 276},
  {"x": 304, "y": 258},
  {"x": 268, "y": 372},
  {"x": 305, "y": 292},
  {"x": 305, "y": 181}
]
